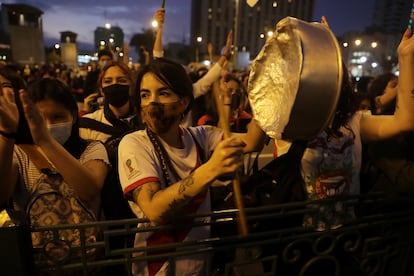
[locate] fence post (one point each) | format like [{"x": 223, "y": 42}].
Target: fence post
[{"x": 16, "y": 256}]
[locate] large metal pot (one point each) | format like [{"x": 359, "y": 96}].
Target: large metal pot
[{"x": 295, "y": 80}]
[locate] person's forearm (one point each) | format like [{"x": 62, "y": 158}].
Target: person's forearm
[
  {"x": 405, "y": 100},
  {"x": 158, "y": 40},
  {"x": 255, "y": 137},
  {"x": 203, "y": 85},
  {"x": 75, "y": 174},
  {"x": 169, "y": 201}
]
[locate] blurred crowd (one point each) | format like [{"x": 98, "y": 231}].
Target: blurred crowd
[{"x": 152, "y": 142}]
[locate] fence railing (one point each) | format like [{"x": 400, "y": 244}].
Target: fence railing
[{"x": 379, "y": 241}]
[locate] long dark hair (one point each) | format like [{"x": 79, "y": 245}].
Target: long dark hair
[
  {"x": 55, "y": 90},
  {"x": 346, "y": 107},
  {"x": 376, "y": 88},
  {"x": 172, "y": 74}
]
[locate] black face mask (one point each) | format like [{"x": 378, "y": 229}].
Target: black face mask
[{"x": 116, "y": 94}]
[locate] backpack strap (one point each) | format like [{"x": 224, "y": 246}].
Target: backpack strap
[
  {"x": 89, "y": 123},
  {"x": 296, "y": 151}
]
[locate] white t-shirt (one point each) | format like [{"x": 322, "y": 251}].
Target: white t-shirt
[
  {"x": 330, "y": 168},
  {"x": 139, "y": 164}
]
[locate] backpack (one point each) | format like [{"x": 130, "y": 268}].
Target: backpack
[
  {"x": 278, "y": 182},
  {"x": 54, "y": 203}
]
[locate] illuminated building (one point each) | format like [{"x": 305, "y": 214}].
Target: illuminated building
[
  {"x": 212, "y": 20},
  {"x": 21, "y": 26}
]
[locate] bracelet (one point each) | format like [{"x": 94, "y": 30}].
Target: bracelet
[{"x": 12, "y": 135}]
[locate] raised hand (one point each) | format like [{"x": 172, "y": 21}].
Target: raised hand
[
  {"x": 406, "y": 47},
  {"x": 324, "y": 21},
  {"x": 35, "y": 120},
  {"x": 126, "y": 48},
  {"x": 88, "y": 100},
  {"x": 9, "y": 114},
  {"x": 159, "y": 16},
  {"x": 229, "y": 44}
]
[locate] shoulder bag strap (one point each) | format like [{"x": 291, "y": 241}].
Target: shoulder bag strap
[
  {"x": 85, "y": 122},
  {"x": 296, "y": 150}
]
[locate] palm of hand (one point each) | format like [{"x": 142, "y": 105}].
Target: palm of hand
[
  {"x": 35, "y": 120},
  {"x": 9, "y": 114}
]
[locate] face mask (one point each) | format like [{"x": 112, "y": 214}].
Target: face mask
[
  {"x": 60, "y": 131},
  {"x": 116, "y": 94},
  {"x": 160, "y": 117}
]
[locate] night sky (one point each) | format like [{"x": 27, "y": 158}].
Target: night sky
[{"x": 83, "y": 16}]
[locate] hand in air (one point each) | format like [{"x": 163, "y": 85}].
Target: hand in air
[
  {"x": 35, "y": 120},
  {"x": 406, "y": 47},
  {"x": 159, "y": 16},
  {"x": 9, "y": 114}
]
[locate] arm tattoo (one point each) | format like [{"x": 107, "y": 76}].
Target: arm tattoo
[
  {"x": 175, "y": 206},
  {"x": 135, "y": 193},
  {"x": 185, "y": 183},
  {"x": 151, "y": 191}
]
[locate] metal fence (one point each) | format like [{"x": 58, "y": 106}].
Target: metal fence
[{"x": 378, "y": 242}]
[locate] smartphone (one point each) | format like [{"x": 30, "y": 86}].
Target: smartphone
[
  {"x": 23, "y": 132},
  {"x": 96, "y": 104}
]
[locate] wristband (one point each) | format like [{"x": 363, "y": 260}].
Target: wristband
[{"x": 12, "y": 135}]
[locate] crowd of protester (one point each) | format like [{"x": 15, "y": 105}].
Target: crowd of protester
[{"x": 124, "y": 144}]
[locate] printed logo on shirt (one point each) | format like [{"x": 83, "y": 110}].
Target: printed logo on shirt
[{"x": 131, "y": 168}]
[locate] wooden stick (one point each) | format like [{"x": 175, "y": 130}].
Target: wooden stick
[
  {"x": 163, "y": 4},
  {"x": 224, "y": 119}
]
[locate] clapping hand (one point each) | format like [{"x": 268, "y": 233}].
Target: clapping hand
[
  {"x": 9, "y": 114},
  {"x": 35, "y": 120}
]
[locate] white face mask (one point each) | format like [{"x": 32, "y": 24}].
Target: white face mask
[{"x": 60, "y": 131}]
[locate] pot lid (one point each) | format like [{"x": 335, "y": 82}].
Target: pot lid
[{"x": 295, "y": 80}]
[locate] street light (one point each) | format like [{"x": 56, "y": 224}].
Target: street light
[
  {"x": 111, "y": 43},
  {"x": 199, "y": 39}
]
